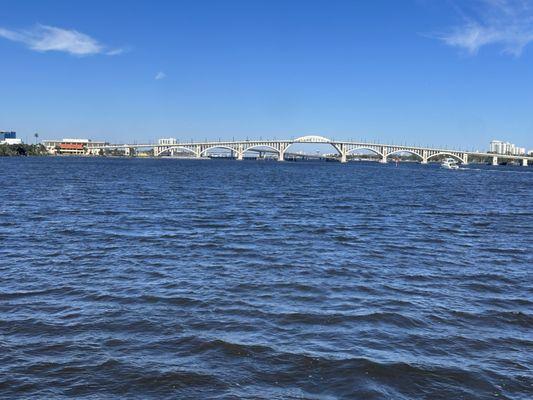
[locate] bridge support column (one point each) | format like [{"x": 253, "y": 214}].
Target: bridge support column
[
  {"x": 343, "y": 157},
  {"x": 494, "y": 160},
  {"x": 384, "y": 152},
  {"x": 424, "y": 157},
  {"x": 240, "y": 153},
  {"x": 281, "y": 151},
  {"x": 465, "y": 159},
  {"x": 524, "y": 162},
  {"x": 341, "y": 148}
]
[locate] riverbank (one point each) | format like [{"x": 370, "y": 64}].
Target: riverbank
[{"x": 14, "y": 150}]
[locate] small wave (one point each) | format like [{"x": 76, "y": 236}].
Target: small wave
[
  {"x": 175, "y": 300},
  {"x": 332, "y": 319}
]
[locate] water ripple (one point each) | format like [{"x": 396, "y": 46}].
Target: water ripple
[{"x": 180, "y": 279}]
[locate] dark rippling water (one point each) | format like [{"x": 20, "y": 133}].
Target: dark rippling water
[{"x": 144, "y": 278}]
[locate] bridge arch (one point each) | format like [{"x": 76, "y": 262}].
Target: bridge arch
[
  {"x": 406, "y": 151},
  {"x": 365, "y": 148},
  {"x": 175, "y": 148},
  {"x": 305, "y": 140},
  {"x": 260, "y": 145},
  {"x": 221, "y": 146},
  {"x": 446, "y": 154}
]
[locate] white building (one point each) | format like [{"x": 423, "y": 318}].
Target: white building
[
  {"x": 9, "y": 137},
  {"x": 167, "y": 141},
  {"x": 11, "y": 141},
  {"x": 73, "y": 146},
  {"x": 499, "y": 147}
]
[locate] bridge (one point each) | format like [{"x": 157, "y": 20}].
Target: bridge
[{"x": 344, "y": 149}]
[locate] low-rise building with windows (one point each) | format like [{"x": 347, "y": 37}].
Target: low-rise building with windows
[
  {"x": 167, "y": 141},
  {"x": 73, "y": 146}
]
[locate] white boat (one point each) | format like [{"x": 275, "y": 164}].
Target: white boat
[{"x": 450, "y": 163}]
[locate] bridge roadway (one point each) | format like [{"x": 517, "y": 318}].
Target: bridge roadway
[{"x": 343, "y": 148}]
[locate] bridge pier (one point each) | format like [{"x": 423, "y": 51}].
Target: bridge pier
[
  {"x": 524, "y": 162},
  {"x": 494, "y": 160},
  {"x": 281, "y": 151},
  {"x": 341, "y": 148},
  {"x": 383, "y": 159},
  {"x": 424, "y": 157},
  {"x": 465, "y": 159},
  {"x": 239, "y": 156}
]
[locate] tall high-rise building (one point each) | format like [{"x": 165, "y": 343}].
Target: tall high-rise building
[{"x": 499, "y": 147}]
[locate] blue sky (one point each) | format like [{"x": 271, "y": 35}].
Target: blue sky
[{"x": 456, "y": 73}]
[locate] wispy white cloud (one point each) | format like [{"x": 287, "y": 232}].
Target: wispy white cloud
[
  {"x": 160, "y": 75},
  {"x": 505, "y": 23},
  {"x": 116, "y": 52},
  {"x": 49, "y": 38}
]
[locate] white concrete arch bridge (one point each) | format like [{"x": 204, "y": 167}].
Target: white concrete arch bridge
[{"x": 343, "y": 148}]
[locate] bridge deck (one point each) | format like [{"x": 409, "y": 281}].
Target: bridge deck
[{"x": 342, "y": 147}]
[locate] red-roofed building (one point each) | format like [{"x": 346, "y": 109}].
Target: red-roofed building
[{"x": 72, "y": 146}]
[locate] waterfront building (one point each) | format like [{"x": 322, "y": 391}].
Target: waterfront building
[
  {"x": 167, "y": 141},
  {"x": 11, "y": 141},
  {"x": 91, "y": 147},
  {"x": 9, "y": 137},
  {"x": 73, "y": 146},
  {"x": 500, "y": 147}
]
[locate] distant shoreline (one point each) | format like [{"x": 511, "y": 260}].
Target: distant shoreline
[{"x": 39, "y": 150}]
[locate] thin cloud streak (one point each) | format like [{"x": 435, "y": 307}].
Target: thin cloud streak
[
  {"x": 506, "y": 23},
  {"x": 45, "y": 38},
  {"x": 160, "y": 75}
]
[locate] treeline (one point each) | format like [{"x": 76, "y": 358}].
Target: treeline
[{"x": 9, "y": 150}]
